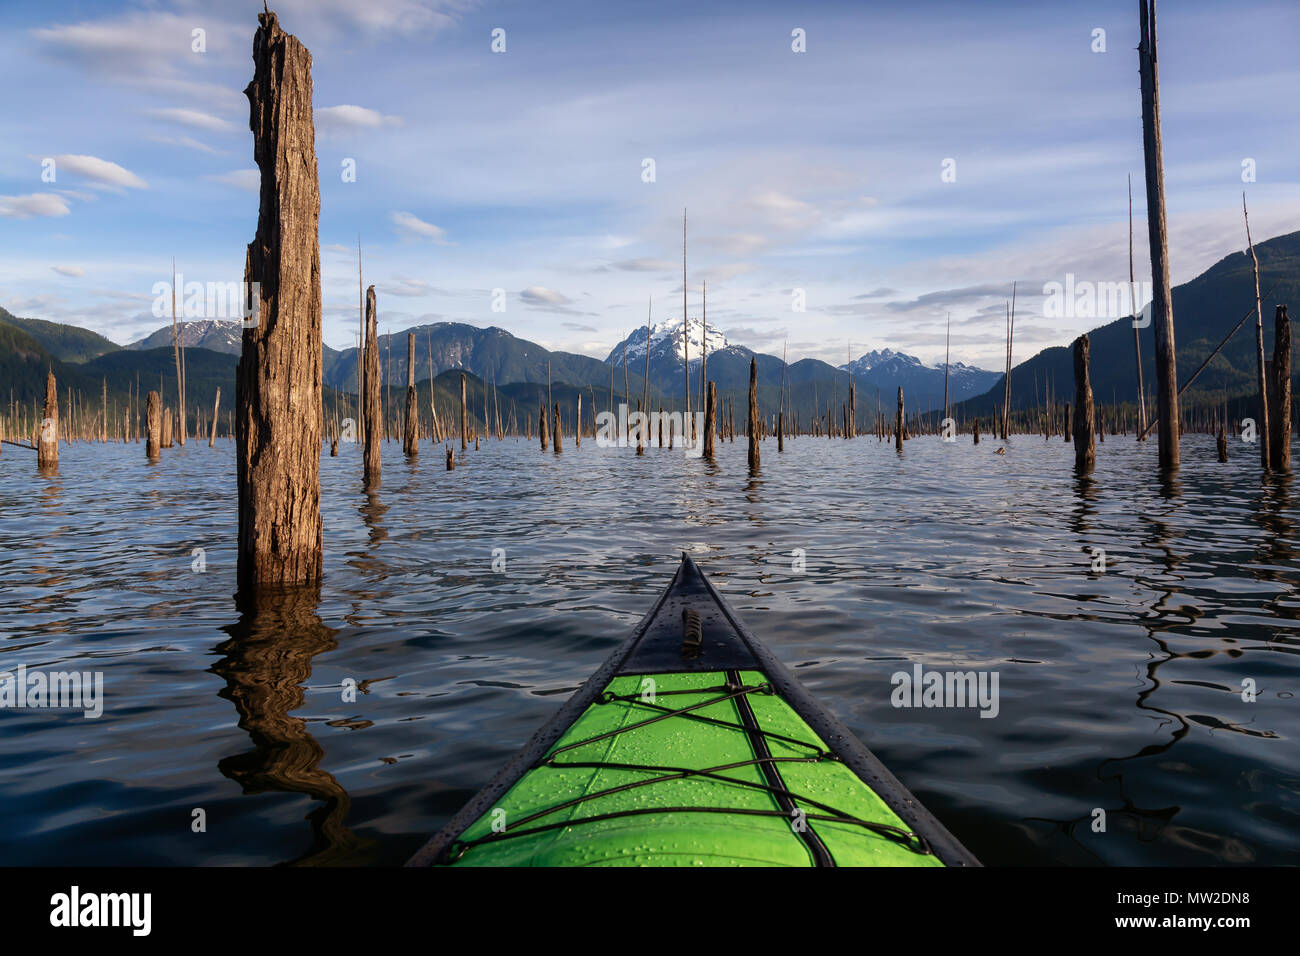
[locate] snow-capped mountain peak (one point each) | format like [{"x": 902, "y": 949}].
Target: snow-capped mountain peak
[{"x": 667, "y": 335}]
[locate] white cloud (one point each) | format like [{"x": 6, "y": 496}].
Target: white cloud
[
  {"x": 338, "y": 119},
  {"x": 196, "y": 119},
  {"x": 75, "y": 272},
  {"x": 540, "y": 295},
  {"x": 35, "y": 204},
  {"x": 414, "y": 227},
  {"x": 107, "y": 174}
]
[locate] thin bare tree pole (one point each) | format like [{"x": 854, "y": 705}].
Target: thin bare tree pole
[
  {"x": 464, "y": 443},
  {"x": 780, "y": 414},
  {"x": 411, "y": 438},
  {"x": 373, "y": 430},
  {"x": 176, "y": 347},
  {"x": 704, "y": 342},
  {"x": 1011, "y": 333},
  {"x": 686, "y": 324},
  {"x": 1085, "y": 437},
  {"x": 1264, "y": 432},
  {"x": 361, "y": 340},
  {"x": 947, "y": 354},
  {"x": 216, "y": 410},
  {"x": 1162, "y": 312},
  {"x": 645, "y": 390},
  {"x": 1137, "y": 340},
  {"x": 754, "y": 456}
]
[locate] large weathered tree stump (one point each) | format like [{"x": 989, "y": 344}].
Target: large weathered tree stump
[
  {"x": 278, "y": 393},
  {"x": 1085, "y": 442}
]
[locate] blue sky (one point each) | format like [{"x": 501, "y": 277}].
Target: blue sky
[{"x": 522, "y": 170}]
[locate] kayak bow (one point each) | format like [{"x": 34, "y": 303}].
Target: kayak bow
[{"x": 692, "y": 745}]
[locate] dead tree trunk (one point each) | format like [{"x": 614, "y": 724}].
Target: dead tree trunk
[
  {"x": 47, "y": 450},
  {"x": 216, "y": 410},
  {"x": 167, "y": 427},
  {"x": 1137, "y": 341},
  {"x": 411, "y": 440},
  {"x": 1265, "y": 432},
  {"x": 543, "y": 430},
  {"x": 1162, "y": 308},
  {"x": 464, "y": 424},
  {"x": 555, "y": 431},
  {"x": 153, "y": 426},
  {"x": 1280, "y": 399},
  {"x": 278, "y": 393},
  {"x": 754, "y": 456},
  {"x": 710, "y": 417},
  {"x": 1085, "y": 438},
  {"x": 372, "y": 427},
  {"x": 898, "y": 430}
]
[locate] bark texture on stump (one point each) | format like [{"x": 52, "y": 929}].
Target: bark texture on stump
[
  {"x": 710, "y": 416},
  {"x": 167, "y": 428},
  {"x": 278, "y": 382},
  {"x": 556, "y": 429},
  {"x": 372, "y": 404},
  {"x": 1280, "y": 392},
  {"x": 47, "y": 450},
  {"x": 542, "y": 429},
  {"x": 754, "y": 456},
  {"x": 411, "y": 440},
  {"x": 1085, "y": 440},
  {"x": 153, "y": 426}
]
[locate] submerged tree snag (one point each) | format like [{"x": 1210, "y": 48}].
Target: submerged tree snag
[
  {"x": 411, "y": 438},
  {"x": 47, "y": 449},
  {"x": 372, "y": 414},
  {"x": 278, "y": 383}
]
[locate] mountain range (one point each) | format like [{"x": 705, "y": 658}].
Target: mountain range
[{"x": 1205, "y": 309}]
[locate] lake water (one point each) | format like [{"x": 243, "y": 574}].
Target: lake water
[{"x": 1120, "y": 690}]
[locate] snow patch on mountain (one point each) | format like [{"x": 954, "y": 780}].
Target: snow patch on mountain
[{"x": 667, "y": 335}]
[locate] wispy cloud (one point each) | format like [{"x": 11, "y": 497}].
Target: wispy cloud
[
  {"x": 35, "y": 204},
  {"x": 413, "y": 227}
]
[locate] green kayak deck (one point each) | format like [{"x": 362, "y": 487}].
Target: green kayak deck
[{"x": 693, "y": 746}]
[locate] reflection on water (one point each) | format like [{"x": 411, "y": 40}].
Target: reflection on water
[
  {"x": 264, "y": 664},
  {"x": 467, "y": 604}
]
